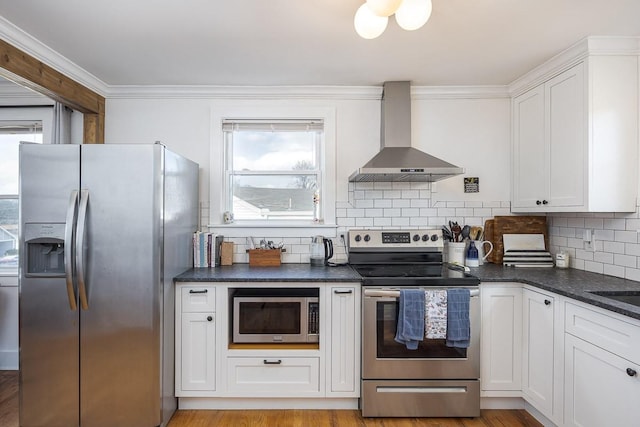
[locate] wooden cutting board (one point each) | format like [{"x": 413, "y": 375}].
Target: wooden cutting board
[{"x": 518, "y": 224}]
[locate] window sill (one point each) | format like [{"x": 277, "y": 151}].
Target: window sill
[{"x": 274, "y": 230}]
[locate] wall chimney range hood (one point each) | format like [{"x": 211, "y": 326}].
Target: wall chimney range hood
[{"x": 397, "y": 160}]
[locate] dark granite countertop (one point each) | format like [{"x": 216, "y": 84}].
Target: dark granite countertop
[
  {"x": 284, "y": 273},
  {"x": 567, "y": 282}
]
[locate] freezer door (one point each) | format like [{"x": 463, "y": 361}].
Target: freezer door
[
  {"x": 48, "y": 319},
  {"x": 121, "y": 262}
]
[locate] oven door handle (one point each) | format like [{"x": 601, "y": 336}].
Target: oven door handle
[{"x": 395, "y": 294}]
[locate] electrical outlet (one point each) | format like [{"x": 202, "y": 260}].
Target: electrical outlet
[{"x": 590, "y": 245}]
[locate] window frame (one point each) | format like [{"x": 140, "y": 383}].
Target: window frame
[{"x": 271, "y": 111}]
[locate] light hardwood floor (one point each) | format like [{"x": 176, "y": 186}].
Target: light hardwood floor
[{"x": 286, "y": 418}]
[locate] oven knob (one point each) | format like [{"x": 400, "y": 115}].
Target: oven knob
[
  {"x": 425, "y": 237},
  {"x": 367, "y": 237},
  {"x": 434, "y": 238},
  {"x": 358, "y": 238},
  {"x": 416, "y": 237}
]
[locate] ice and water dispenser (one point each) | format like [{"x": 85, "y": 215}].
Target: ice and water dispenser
[{"x": 44, "y": 249}]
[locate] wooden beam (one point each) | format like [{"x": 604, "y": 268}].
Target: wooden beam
[{"x": 27, "y": 71}]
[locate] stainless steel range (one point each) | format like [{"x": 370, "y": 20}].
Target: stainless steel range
[{"x": 434, "y": 380}]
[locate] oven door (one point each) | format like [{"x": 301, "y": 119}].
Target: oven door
[{"x": 384, "y": 358}]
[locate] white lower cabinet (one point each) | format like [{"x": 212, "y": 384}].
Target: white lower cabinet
[
  {"x": 602, "y": 365},
  {"x": 197, "y": 365},
  {"x": 501, "y": 339},
  {"x": 541, "y": 364},
  {"x": 268, "y": 376},
  {"x": 601, "y": 388},
  {"x": 344, "y": 351},
  {"x": 195, "y": 352}
]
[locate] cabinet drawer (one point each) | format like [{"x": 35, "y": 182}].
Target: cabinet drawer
[
  {"x": 273, "y": 376},
  {"x": 613, "y": 334},
  {"x": 198, "y": 299}
]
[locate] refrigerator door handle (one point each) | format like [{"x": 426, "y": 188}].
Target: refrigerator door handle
[
  {"x": 80, "y": 233},
  {"x": 68, "y": 245}
]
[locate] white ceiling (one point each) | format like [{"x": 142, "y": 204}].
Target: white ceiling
[{"x": 311, "y": 42}]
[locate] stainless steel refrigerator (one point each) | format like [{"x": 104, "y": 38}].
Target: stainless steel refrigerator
[{"x": 103, "y": 230}]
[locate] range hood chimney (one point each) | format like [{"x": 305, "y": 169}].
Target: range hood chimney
[{"x": 397, "y": 160}]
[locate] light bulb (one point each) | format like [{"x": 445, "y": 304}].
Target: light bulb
[
  {"x": 384, "y": 7},
  {"x": 368, "y": 25},
  {"x": 413, "y": 14}
]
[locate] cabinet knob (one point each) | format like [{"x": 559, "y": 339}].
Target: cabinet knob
[
  {"x": 538, "y": 202},
  {"x": 631, "y": 372},
  {"x": 544, "y": 202},
  {"x": 547, "y": 302},
  {"x": 209, "y": 318}
]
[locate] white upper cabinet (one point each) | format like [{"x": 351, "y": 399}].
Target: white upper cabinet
[{"x": 575, "y": 137}]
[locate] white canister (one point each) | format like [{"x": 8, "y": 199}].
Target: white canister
[
  {"x": 562, "y": 259},
  {"x": 456, "y": 252},
  {"x": 482, "y": 254}
]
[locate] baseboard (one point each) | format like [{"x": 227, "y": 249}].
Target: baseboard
[
  {"x": 260, "y": 403},
  {"x": 546, "y": 422},
  {"x": 8, "y": 360},
  {"x": 502, "y": 403}
]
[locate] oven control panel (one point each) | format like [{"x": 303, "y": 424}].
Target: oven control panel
[{"x": 396, "y": 239}]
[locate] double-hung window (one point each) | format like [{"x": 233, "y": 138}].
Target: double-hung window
[
  {"x": 274, "y": 170},
  {"x": 12, "y": 132}
]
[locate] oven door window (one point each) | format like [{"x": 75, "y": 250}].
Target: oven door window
[
  {"x": 274, "y": 318},
  {"x": 388, "y": 348}
]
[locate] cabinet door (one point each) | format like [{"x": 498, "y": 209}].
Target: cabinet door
[
  {"x": 344, "y": 352},
  {"x": 501, "y": 343},
  {"x": 598, "y": 389},
  {"x": 538, "y": 350},
  {"x": 198, "y": 351},
  {"x": 566, "y": 131},
  {"x": 530, "y": 156}
]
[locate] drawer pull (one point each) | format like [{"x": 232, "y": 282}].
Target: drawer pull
[
  {"x": 272, "y": 362},
  {"x": 338, "y": 291},
  {"x": 631, "y": 372},
  {"x": 547, "y": 302},
  {"x": 202, "y": 291}
]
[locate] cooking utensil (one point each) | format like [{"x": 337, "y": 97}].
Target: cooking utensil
[
  {"x": 446, "y": 234},
  {"x": 465, "y": 232},
  {"x": 455, "y": 230}
]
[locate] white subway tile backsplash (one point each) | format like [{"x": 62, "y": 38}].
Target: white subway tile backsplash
[
  {"x": 391, "y": 212},
  {"x": 382, "y": 222},
  {"x": 382, "y": 203},
  {"x": 392, "y": 194},
  {"x": 594, "y": 267},
  {"x": 596, "y": 223},
  {"x": 364, "y": 204},
  {"x": 613, "y": 270},
  {"x": 462, "y": 212},
  {"x": 373, "y": 212},
  {"x": 400, "y": 222},
  {"x": 603, "y": 257},
  {"x": 401, "y": 203},
  {"x": 419, "y": 203},
  {"x": 574, "y": 222},
  {"x": 410, "y": 212},
  {"x": 364, "y": 222},
  {"x": 626, "y": 236},
  {"x": 614, "y": 223},
  {"x": 602, "y": 234},
  {"x": 410, "y": 194},
  {"x": 625, "y": 260},
  {"x": 614, "y": 247}
]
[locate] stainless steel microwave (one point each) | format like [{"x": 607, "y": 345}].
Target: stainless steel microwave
[{"x": 279, "y": 315}]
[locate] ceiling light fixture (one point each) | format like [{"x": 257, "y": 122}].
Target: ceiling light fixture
[{"x": 372, "y": 17}]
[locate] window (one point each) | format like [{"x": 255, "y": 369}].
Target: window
[
  {"x": 273, "y": 169},
  {"x": 11, "y": 134},
  {"x": 268, "y": 160}
]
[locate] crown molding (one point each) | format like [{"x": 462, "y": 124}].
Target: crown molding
[
  {"x": 459, "y": 92},
  {"x": 589, "y": 46},
  {"x": 246, "y": 92},
  {"x": 30, "y": 45}
]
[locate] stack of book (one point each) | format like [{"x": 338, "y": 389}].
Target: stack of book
[{"x": 206, "y": 249}]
